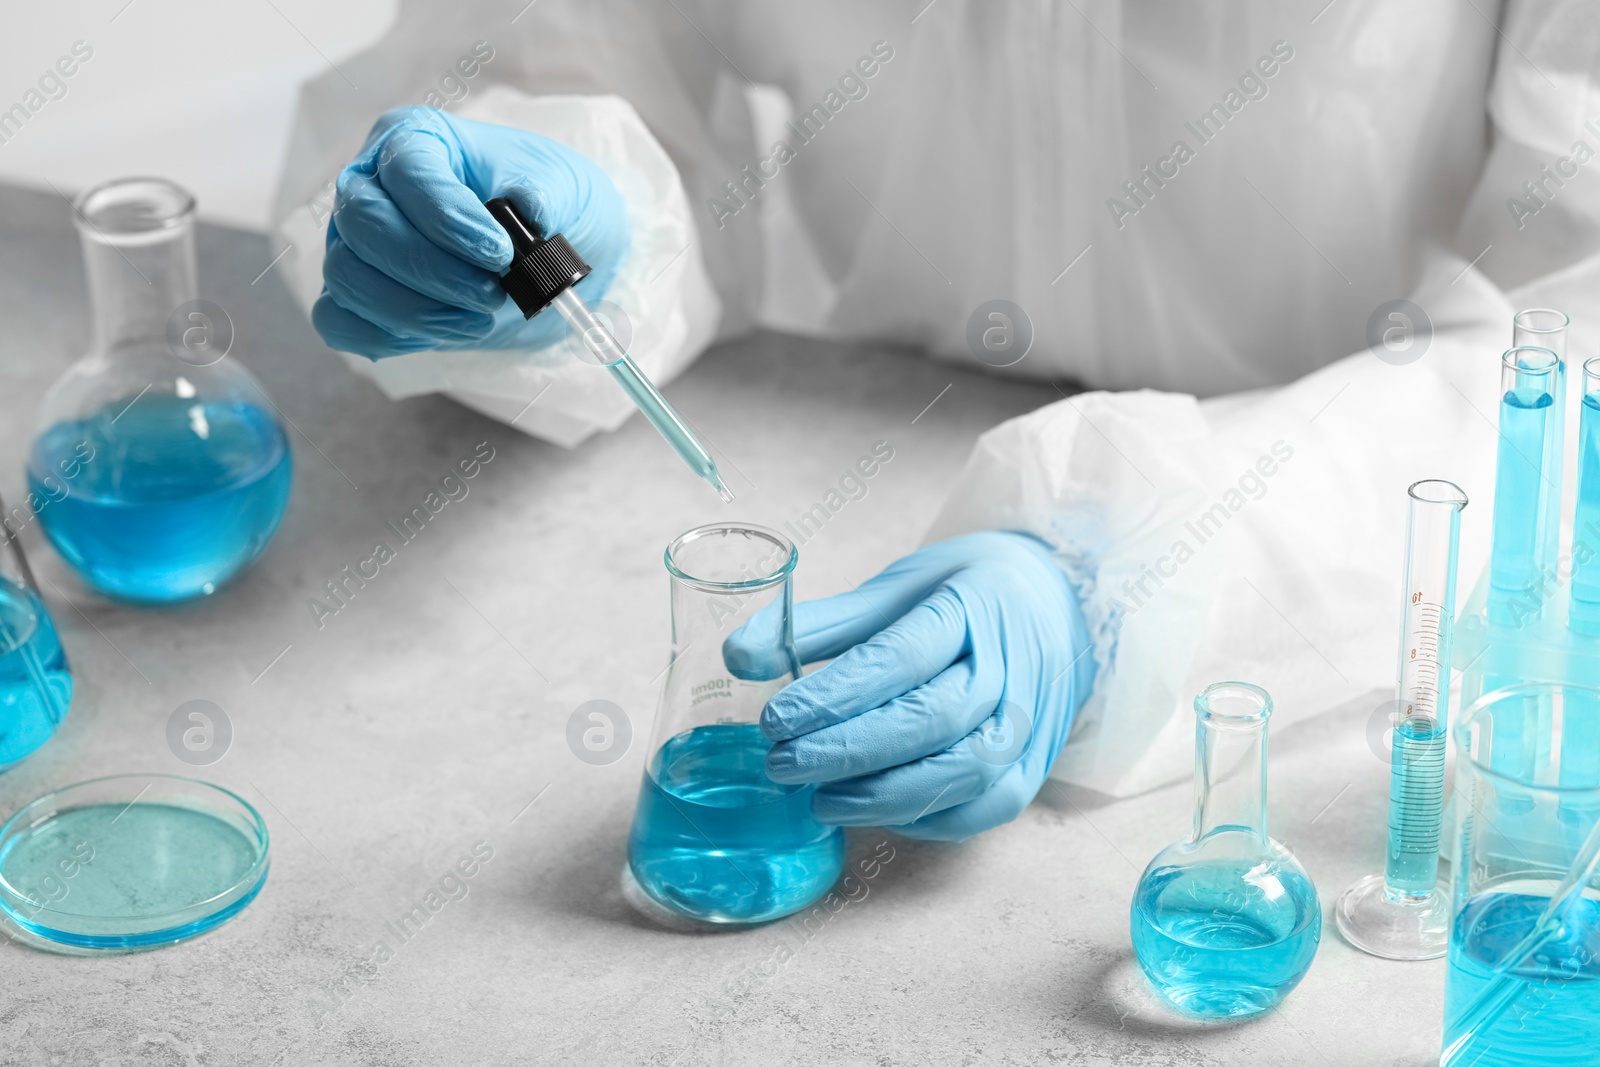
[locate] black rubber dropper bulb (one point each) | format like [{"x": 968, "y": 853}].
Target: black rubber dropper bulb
[{"x": 542, "y": 268}]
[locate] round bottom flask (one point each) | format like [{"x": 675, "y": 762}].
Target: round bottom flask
[
  {"x": 1226, "y": 923},
  {"x": 160, "y": 469}
]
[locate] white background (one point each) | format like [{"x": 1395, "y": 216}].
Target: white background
[{"x": 196, "y": 91}]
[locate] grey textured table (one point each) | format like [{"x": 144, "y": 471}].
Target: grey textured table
[{"x": 430, "y": 715}]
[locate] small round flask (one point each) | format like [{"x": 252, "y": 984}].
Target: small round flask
[
  {"x": 159, "y": 461},
  {"x": 1226, "y": 923}
]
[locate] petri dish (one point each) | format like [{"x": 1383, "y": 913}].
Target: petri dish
[{"x": 129, "y": 862}]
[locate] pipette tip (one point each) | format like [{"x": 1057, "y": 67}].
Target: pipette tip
[{"x": 722, "y": 490}]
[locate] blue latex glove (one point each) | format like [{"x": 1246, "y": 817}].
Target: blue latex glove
[
  {"x": 958, "y": 672},
  {"x": 414, "y": 258}
]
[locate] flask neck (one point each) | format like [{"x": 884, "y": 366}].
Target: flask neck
[
  {"x": 134, "y": 290},
  {"x": 137, "y": 236},
  {"x": 1230, "y": 777}
]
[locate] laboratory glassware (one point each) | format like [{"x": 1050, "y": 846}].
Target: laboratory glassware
[
  {"x": 35, "y": 681},
  {"x": 1547, "y": 328},
  {"x": 1523, "y": 984},
  {"x": 543, "y": 272},
  {"x": 1226, "y": 923},
  {"x": 174, "y": 468},
  {"x": 128, "y": 863},
  {"x": 714, "y": 839},
  {"x": 1403, "y": 914},
  {"x": 1527, "y": 484},
  {"x": 1583, "y": 612}
]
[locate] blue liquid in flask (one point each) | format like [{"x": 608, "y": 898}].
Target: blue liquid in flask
[
  {"x": 35, "y": 683},
  {"x": 715, "y": 839},
  {"x": 1555, "y": 1019},
  {"x": 1223, "y": 939},
  {"x": 179, "y": 495}
]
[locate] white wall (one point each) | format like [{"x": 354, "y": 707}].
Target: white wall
[{"x": 199, "y": 91}]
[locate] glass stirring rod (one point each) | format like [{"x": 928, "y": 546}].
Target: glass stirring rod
[{"x": 543, "y": 273}]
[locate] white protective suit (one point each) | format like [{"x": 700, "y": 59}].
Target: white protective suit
[{"x": 1205, "y": 200}]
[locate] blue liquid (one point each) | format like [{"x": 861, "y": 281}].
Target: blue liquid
[
  {"x": 1584, "y": 613},
  {"x": 715, "y": 839},
  {"x": 128, "y": 875},
  {"x": 1416, "y": 805},
  {"x": 1520, "y": 499},
  {"x": 179, "y": 496},
  {"x": 35, "y": 683},
  {"x": 1223, "y": 940},
  {"x": 665, "y": 418},
  {"x": 1555, "y": 1019}
]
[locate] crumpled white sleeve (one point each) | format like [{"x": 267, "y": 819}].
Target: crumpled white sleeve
[
  {"x": 668, "y": 307},
  {"x": 1255, "y": 537},
  {"x": 1260, "y": 536}
]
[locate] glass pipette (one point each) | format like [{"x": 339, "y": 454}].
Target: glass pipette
[
  {"x": 1402, "y": 913},
  {"x": 543, "y": 273}
]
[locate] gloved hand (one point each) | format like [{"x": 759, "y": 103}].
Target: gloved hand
[
  {"x": 958, "y": 672},
  {"x": 414, "y": 258}
]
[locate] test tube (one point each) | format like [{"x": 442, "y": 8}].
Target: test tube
[
  {"x": 1583, "y": 613},
  {"x": 1547, "y": 328},
  {"x": 1540, "y": 328},
  {"x": 1527, "y": 484},
  {"x": 1402, "y": 913},
  {"x": 1580, "y": 724}
]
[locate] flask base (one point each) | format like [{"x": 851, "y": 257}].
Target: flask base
[{"x": 1375, "y": 922}]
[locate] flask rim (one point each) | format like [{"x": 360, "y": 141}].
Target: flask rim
[
  {"x": 1540, "y": 320},
  {"x": 1541, "y": 362},
  {"x": 161, "y": 209},
  {"x": 1230, "y": 704},
  {"x": 1474, "y": 714},
  {"x": 783, "y": 549}
]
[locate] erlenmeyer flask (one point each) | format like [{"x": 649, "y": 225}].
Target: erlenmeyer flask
[
  {"x": 165, "y": 467},
  {"x": 1226, "y": 923},
  {"x": 713, "y": 837},
  {"x": 35, "y": 683}
]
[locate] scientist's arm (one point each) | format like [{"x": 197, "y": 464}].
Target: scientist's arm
[
  {"x": 1255, "y": 537},
  {"x": 1260, "y": 537}
]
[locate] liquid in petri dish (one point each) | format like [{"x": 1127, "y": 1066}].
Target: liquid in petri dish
[
  {"x": 1226, "y": 939},
  {"x": 180, "y": 495},
  {"x": 126, "y": 861},
  {"x": 716, "y": 839},
  {"x": 1555, "y": 1019},
  {"x": 35, "y": 683}
]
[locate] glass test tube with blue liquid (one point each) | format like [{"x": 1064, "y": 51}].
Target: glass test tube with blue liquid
[
  {"x": 1547, "y": 328},
  {"x": 1403, "y": 913},
  {"x": 1527, "y": 484},
  {"x": 35, "y": 681},
  {"x": 714, "y": 839},
  {"x": 544, "y": 271},
  {"x": 1580, "y": 752}
]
